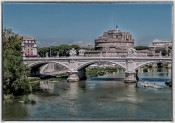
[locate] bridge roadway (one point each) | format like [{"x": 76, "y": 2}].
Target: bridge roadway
[{"x": 76, "y": 65}]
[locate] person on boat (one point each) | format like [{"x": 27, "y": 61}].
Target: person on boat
[{"x": 137, "y": 78}]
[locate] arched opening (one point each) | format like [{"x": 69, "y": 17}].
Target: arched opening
[
  {"x": 98, "y": 68},
  {"x": 85, "y": 65},
  {"x": 37, "y": 67},
  {"x": 151, "y": 63},
  {"x": 150, "y": 71}
]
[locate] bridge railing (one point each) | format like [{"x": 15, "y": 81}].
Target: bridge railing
[{"x": 79, "y": 57}]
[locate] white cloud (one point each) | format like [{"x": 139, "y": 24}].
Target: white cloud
[{"x": 77, "y": 42}]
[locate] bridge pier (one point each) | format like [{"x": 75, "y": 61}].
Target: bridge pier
[
  {"x": 77, "y": 75},
  {"x": 169, "y": 65},
  {"x": 130, "y": 77},
  {"x": 82, "y": 74},
  {"x": 73, "y": 76}
]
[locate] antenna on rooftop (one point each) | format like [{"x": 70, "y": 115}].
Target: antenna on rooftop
[{"x": 114, "y": 22}]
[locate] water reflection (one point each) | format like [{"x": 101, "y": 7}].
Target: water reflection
[
  {"x": 82, "y": 85},
  {"x": 155, "y": 73},
  {"x": 20, "y": 112},
  {"x": 99, "y": 98},
  {"x": 54, "y": 87},
  {"x": 73, "y": 90}
]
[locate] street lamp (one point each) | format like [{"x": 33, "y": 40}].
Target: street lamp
[{"x": 50, "y": 52}]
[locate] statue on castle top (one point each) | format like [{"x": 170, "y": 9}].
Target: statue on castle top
[{"x": 72, "y": 52}]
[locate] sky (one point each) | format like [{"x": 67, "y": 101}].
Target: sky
[{"x": 68, "y": 23}]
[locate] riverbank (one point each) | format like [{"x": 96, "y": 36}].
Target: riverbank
[
  {"x": 99, "y": 71},
  {"x": 7, "y": 96}
]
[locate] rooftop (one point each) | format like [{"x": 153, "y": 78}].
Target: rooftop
[
  {"x": 157, "y": 40},
  {"x": 27, "y": 38}
]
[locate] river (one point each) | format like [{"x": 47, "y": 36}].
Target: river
[{"x": 99, "y": 98}]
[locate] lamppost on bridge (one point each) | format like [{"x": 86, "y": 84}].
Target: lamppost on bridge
[
  {"x": 47, "y": 55},
  {"x": 57, "y": 54},
  {"x": 50, "y": 52}
]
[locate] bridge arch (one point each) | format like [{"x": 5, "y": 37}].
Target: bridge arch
[
  {"x": 85, "y": 65},
  {"x": 44, "y": 62},
  {"x": 149, "y": 62}
]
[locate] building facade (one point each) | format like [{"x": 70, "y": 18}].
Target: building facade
[
  {"x": 29, "y": 46},
  {"x": 158, "y": 44}
]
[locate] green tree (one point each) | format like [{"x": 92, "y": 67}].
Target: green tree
[
  {"x": 64, "y": 50},
  {"x": 14, "y": 71},
  {"x": 53, "y": 50},
  {"x": 90, "y": 49},
  {"x": 42, "y": 51},
  {"x": 141, "y": 47}
]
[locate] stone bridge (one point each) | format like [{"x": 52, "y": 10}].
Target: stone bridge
[{"x": 76, "y": 65}]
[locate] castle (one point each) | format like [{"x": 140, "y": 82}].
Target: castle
[{"x": 114, "y": 43}]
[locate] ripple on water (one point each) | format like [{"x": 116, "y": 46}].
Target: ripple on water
[{"x": 99, "y": 99}]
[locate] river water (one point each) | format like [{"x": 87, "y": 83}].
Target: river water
[{"x": 99, "y": 98}]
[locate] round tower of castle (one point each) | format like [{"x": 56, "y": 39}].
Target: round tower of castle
[{"x": 115, "y": 40}]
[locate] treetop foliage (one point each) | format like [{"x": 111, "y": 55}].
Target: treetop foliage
[
  {"x": 141, "y": 47},
  {"x": 63, "y": 50},
  {"x": 14, "y": 71}
]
